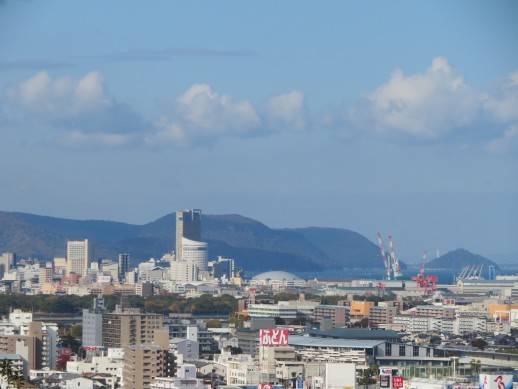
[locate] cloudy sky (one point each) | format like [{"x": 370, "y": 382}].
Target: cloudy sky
[{"x": 399, "y": 117}]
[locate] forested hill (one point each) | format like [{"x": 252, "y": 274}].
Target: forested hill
[{"x": 252, "y": 244}]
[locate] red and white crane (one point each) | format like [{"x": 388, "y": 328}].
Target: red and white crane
[
  {"x": 396, "y": 269},
  {"x": 384, "y": 256}
]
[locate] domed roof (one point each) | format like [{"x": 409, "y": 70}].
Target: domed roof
[{"x": 277, "y": 276}]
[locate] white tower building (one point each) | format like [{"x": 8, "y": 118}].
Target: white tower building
[{"x": 80, "y": 253}]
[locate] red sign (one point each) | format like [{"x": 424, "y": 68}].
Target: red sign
[
  {"x": 273, "y": 337},
  {"x": 93, "y": 348},
  {"x": 264, "y": 386},
  {"x": 397, "y": 382}
]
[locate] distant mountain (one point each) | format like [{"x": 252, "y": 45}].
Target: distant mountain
[
  {"x": 347, "y": 248},
  {"x": 457, "y": 259},
  {"x": 253, "y": 245}
]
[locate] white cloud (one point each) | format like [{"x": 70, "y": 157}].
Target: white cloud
[
  {"x": 60, "y": 98},
  {"x": 507, "y": 142},
  {"x": 502, "y": 104},
  {"x": 81, "y": 109},
  {"x": 201, "y": 115},
  {"x": 425, "y": 105},
  {"x": 287, "y": 110}
]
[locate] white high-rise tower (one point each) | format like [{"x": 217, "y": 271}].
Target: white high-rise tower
[{"x": 80, "y": 253}]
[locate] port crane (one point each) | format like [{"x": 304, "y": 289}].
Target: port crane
[
  {"x": 391, "y": 262},
  {"x": 428, "y": 283},
  {"x": 384, "y": 256}
]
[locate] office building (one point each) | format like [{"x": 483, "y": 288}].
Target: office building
[
  {"x": 183, "y": 271},
  {"x": 124, "y": 265},
  {"x": 223, "y": 268},
  {"x": 188, "y": 226},
  {"x": 93, "y": 323},
  {"x": 80, "y": 253},
  {"x": 7, "y": 262}
]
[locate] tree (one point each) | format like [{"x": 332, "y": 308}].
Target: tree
[
  {"x": 479, "y": 343},
  {"x": 475, "y": 366},
  {"x": 68, "y": 341},
  {"x": 235, "y": 350},
  {"x": 213, "y": 323},
  {"x": 13, "y": 377},
  {"x": 363, "y": 323},
  {"x": 366, "y": 377},
  {"x": 76, "y": 331},
  {"x": 299, "y": 321},
  {"x": 284, "y": 296}
]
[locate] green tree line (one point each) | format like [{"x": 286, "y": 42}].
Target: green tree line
[{"x": 71, "y": 304}]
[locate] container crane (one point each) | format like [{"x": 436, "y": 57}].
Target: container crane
[{"x": 428, "y": 283}]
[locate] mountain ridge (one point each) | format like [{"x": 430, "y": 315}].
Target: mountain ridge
[
  {"x": 459, "y": 258},
  {"x": 253, "y": 245}
]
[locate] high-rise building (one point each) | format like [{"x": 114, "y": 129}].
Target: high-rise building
[
  {"x": 80, "y": 253},
  {"x": 129, "y": 327},
  {"x": 7, "y": 262},
  {"x": 223, "y": 268},
  {"x": 93, "y": 323},
  {"x": 124, "y": 263},
  {"x": 183, "y": 271},
  {"x": 195, "y": 253},
  {"x": 188, "y": 225}
]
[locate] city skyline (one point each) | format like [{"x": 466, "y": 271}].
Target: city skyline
[{"x": 393, "y": 117}]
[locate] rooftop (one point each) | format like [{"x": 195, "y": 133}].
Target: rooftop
[
  {"x": 308, "y": 341},
  {"x": 356, "y": 333}
]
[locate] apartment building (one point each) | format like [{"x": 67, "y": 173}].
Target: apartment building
[
  {"x": 129, "y": 327},
  {"x": 435, "y": 310},
  {"x": 381, "y": 315},
  {"x": 144, "y": 362},
  {"x": 339, "y": 315}
]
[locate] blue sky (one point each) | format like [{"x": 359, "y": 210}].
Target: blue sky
[{"x": 399, "y": 117}]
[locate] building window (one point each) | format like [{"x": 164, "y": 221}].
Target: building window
[
  {"x": 402, "y": 351},
  {"x": 416, "y": 351},
  {"x": 388, "y": 350}
]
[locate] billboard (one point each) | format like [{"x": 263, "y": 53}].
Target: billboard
[
  {"x": 496, "y": 381},
  {"x": 93, "y": 348},
  {"x": 273, "y": 337},
  {"x": 340, "y": 375},
  {"x": 385, "y": 381},
  {"x": 104, "y": 279},
  {"x": 397, "y": 382}
]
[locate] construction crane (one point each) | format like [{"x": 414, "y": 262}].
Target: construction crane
[
  {"x": 384, "y": 256},
  {"x": 396, "y": 269}
]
